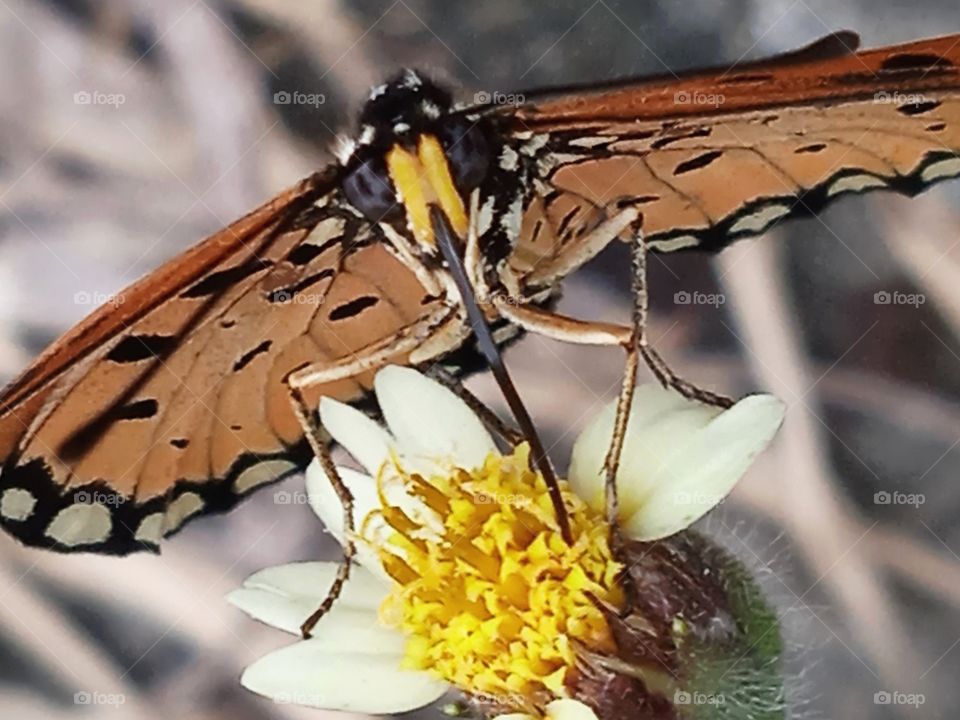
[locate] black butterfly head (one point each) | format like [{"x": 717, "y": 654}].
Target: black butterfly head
[
  {"x": 401, "y": 108},
  {"x": 404, "y": 113}
]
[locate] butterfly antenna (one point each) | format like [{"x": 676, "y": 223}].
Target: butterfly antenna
[{"x": 445, "y": 239}]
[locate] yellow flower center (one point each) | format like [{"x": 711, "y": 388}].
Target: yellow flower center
[{"x": 491, "y": 597}]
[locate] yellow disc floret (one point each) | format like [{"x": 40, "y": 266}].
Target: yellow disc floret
[{"x": 491, "y": 597}]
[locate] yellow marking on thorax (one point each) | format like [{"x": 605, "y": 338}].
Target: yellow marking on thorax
[{"x": 422, "y": 180}]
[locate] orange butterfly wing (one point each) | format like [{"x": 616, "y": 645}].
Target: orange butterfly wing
[
  {"x": 172, "y": 403},
  {"x": 713, "y": 156}
]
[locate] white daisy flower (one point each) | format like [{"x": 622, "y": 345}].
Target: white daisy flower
[{"x": 465, "y": 582}]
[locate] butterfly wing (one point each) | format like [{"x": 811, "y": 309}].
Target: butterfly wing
[
  {"x": 714, "y": 156},
  {"x": 171, "y": 403}
]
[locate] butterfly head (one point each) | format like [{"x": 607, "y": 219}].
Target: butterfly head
[{"x": 413, "y": 151}]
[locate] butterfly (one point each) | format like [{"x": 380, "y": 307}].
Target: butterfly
[{"x": 197, "y": 385}]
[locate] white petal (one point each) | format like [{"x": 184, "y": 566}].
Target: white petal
[
  {"x": 285, "y": 595},
  {"x": 658, "y": 417},
  {"x": 427, "y": 419},
  {"x": 306, "y": 673},
  {"x": 326, "y": 503},
  {"x": 566, "y": 709},
  {"x": 702, "y": 471},
  {"x": 360, "y": 435}
]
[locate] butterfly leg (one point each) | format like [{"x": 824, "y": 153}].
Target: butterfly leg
[
  {"x": 489, "y": 418},
  {"x": 634, "y": 340},
  {"x": 313, "y": 431},
  {"x": 667, "y": 377},
  {"x": 406, "y": 340}
]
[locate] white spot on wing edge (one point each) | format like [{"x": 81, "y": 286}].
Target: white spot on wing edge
[
  {"x": 590, "y": 142},
  {"x": 180, "y": 509},
  {"x": 260, "y": 473},
  {"x": 17, "y": 504},
  {"x": 855, "y": 183},
  {"x": 81, "y": 524},
  {"x": 941, "y": 169},
  {"x": 757, "y": 221},
  {"x": 677, "y": 243},
  {"x": 150, "y": 529}
]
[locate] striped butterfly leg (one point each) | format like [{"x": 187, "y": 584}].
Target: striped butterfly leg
[
  {"x": 403, "y": 342},
  {"x": 627, "y": 219},
  {"x": 634, "y": 340}
]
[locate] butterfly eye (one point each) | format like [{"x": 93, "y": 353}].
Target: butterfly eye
[
  {"x": 468, "y": 154},
  {"x": 369, "y": 189}
]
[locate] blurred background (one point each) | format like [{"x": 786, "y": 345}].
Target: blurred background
[{"x": 130, "y": 129}]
